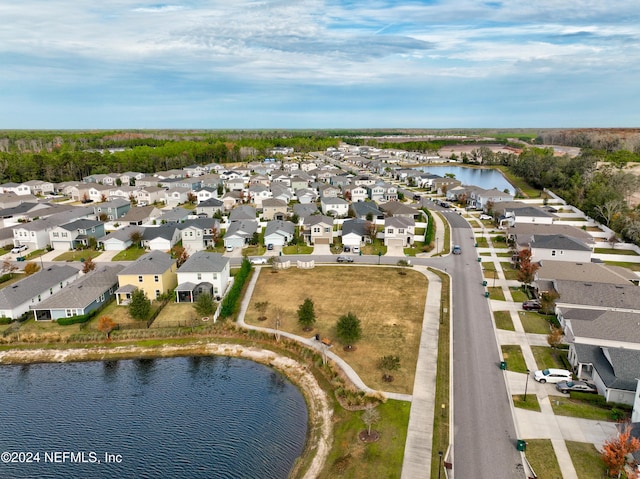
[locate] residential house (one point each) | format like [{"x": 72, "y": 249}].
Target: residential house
[
  {"x": 376, "y": 192},
  {"x": 442, "y": 185},
  {"x": 120, "y": 239},
  {"x": 366, "y": 210},
  {"x": 317, "y": 229},
  {"x": 395, "y": 208},
  {"x": 192, "y": 184},
  {"x": 206, "y": 193},
  {"x": 281, "y": 191},
  {"x": 303, "y": 210},
  {"x": 150, "y": 195},
  {"x": 125, "y": 192},
  {"x": 279, "y": 233},
  {"x": 273, "y": 208},
  {"x": 174, "y": 215},
  {"x": 16, "y": 298},
  {"x": 177, "y": 196},
  {"x": 259, "y": 193},
  {"x": 110, "y": 179},
  {"x": 399, "y": 231},
  {"x": 328, "y": 191},
  {"x": 141, "y": 215},
  {"x": 131, "y": 177},
  {"x": 39, "y": 187},
  {"x": 199, "y": 234},
  {"x": 97, "y": 193},
  {"x": 169, "y": 175},
  {"x": 510, "y": 213},
  {"x": 521, "y": 234},
  {"x": 161, "y": 238},
  {"x": 75, "y": 234},
  {"x": 85, "y": 295},
  {"x": 231, "y": 199},
  {"x": 259, "y": 179},
  {"x": 334, "y": 206},
  {"x": 306, "y": 196},
  {"x": 355, "y": 232},
  {"x": 153, "y": 273},
  {"x": 18, "y": 189},
  {"x": 210, "y": 207},
  {"x": 112, "y": 210},
  {"x": 235, "y": 184},
  {"x": 203, "y": 273},
  {"x": 354, "y": 193},
  {"x": 482, "y": 200},
  {"x": 35, "y": 234},
  {"x": 240, "y": 233},
  {"x": 298, "y": 183},
  {"x": 559, "y": 247},
  {"x": 340, "y": 181}
]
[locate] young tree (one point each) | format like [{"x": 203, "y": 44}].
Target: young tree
[
  {"x": 371, "y": 229},
  {"x": 136, "y": 238},
  {"x": 140, "y": 306},
  {"x": 261, "y": 307},
  {"x": 307, "y": 314},
  {"x": 548, "y": 302},
  {"x": 31, "y": 268},
  {"x": 191, "y": 198},
  {"x": 527, "y": 268},
  {"x": 348, "y": 329},
  {"x": 88, "y": 265},
  {"x": 387, "y": 364},
  {"x": 615, "y": 450},
  {"x": 8, "y": 267},
  {"x": 106, "y": 325},
  {"x": 554, "y": 338},
  {"x": 370, "y": 416},
  {"x": 205, "y": 305},
  {"x": 180, "y": 254}
]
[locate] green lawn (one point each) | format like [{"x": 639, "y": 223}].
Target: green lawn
[
  {"x": 546, "y": 357},
  {"x": 78, "y": 255},
  {"x": 509, "y": 272},
  {"x": 586, "y": 460},
  {"x": 503, "y": 320},
  {"x": 130, "y": 254},
  {"x": 534, "y": 322},
  {"x": 383, "y": 458},
  {"x": 489, "y": 266},
  {"x": 631, "y": 266},
  {"x": 374, "y": 248},
  {"x": 627, "y": 252},
  {"x": 542, "y": 458},
  {"x": 298, "y": 249},
  {"x": 482, "y": 242},
  {"x": 520, "y": 183},
  {"x": 518, "y": 295},
  {"x": 496, "y": 293},
  {"x": 512, "y": 354},
  {"x": 506, "y": 254},
  {"x": 531, "y": 403},
  {"x": 565, "y": 406}
]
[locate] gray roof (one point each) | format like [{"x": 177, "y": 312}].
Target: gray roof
[
  {"x": 276, "y": 226},
  {"x": 309, "y": 221},
  {"x": 204, "y": 261},
  {"x": 25, "y": 289},
  {"x": 244, "y": 212},
  {"x": 56, "y": 219},
  {"x": 586, "y": 271},
  {"x": 163, "y": 231},
  {"x": 602, "y": 295},
  {"x": 174, "y": 215},
  {"x": 617, "y": 367},
  {"x": 242, "y": 228},
  {"x": 274, "y": 203},
  {"x": 356, "y": 226},
  {"x": 139, "y": 213},
  {"x": 305, "y": 210},
  {"x": 155, "y": 262},
  {"x": 81, "y": 224},
  {"x": 211, "y": 203},
  {"x": 531, "y": 211},
  {"x": 84, "y": 291},
  {"x": 363, "y": 208},
  {"x": 334, "y": 200},
  {"x": 558, "y": 242},
  {"x": 399, "y": 222},
  {"x": 603, "y": 324},
  {"x": 201, "y": 223},
  {"x": 523, "y": 232},
  {"x": 395, "y": 208}
]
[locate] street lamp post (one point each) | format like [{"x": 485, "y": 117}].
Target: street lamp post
[
  {"x": 440, "y": 463},
  {"x": 526, "y": 384}
]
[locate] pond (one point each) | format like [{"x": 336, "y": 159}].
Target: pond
[{"x": 486, "y": 178}]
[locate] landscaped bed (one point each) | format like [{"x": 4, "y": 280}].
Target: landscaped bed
[{"x": 390, "y": 306}]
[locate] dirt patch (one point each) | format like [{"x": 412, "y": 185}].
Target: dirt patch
[
  {"x": 320, "y": 433},
  {"x": 368, "y": 437}
]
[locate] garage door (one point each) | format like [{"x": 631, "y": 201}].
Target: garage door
[
  {"x": 395, "y": 242},
  {"x": 322, "y": 241}
]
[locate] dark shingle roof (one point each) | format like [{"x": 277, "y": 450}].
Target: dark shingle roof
[
  {"x": 155, "y": 262},
  {"x": 617, "y": 367},
  {"x": 204, "y": 261},
  {"x": 558, "y": 242},
  {"x": 602, "y": 295},
  {"x": 25, "y": 289}
]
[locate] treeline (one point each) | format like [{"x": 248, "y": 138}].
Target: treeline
[
  {"x": 604, "y": 140},
  {"x": 55, "y": 156}
]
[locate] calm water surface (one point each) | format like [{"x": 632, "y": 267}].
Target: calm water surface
[
  {"x": 486, "y": 178},
  {"x": 196, "y": 417}
]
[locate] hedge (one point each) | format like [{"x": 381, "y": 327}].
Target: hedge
[
  {"x": 228, "y": 305},
  {"x": 431, "y": 228},
  {"x": 5, "y": 277},
  {"x": 5, "y": 320}
]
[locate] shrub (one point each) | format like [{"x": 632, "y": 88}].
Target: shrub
[
  {"x": 5, "y": 320},
  {"x": 230, "y": 301},
  {"x": 5, "y": 277},
  {"x": 74, "y": 319}
]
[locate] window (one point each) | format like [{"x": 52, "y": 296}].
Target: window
[
  {"x": 327, "y": 230},
  {"x": 68, "y": 312},
  {"x": 401, "y": 231},
  {"x": 156, "y": 278},
  {"x": 390, "y": 231},
  {"x": 139, "y": 279},
  {"x": 553, "y": 252},
  {"x": 55, "y": 235},
  {"x": 50, "y": 290},
  {"x": 39, "y": 298},
  {"x": 157, "y": 293},
  {"x": 199, "y": 276},
  {"x": 101, "y": 298}
]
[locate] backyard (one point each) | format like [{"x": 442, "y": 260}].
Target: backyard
[{"x": 390, "y": 306}]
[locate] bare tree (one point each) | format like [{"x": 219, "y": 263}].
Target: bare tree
[{"x": 370, "y": 416}]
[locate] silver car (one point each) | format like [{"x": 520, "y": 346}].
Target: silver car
[{"x": 576, "y": 386}]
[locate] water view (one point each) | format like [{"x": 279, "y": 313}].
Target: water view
[
  {"x": 195, "y": 417},
  {"x": 486, "y": 178}
]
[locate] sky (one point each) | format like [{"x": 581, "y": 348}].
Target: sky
[{"x": 72, "y": 64}]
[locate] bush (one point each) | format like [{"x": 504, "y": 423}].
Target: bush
[
  {"x": 5, "y": 320},
  {"x": 74, "y": 319},
  {"x": 5, "y": 277},
  {"x": 230, "y": 301},
  {"x": 594, "y": 399}
]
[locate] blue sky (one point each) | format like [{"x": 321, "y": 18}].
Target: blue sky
[{"x": 319, "y": 64}]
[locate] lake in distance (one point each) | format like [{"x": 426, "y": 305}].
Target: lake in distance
[
  {"x": 192, "y": 417},
  {"x": 486, "y": 178}
]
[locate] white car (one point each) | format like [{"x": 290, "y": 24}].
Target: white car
[
  {"x": 258, "y": 260},
  {"x": 552, "y": 375},
  {"x": 20, "y": 248},
  {"x": 229, "y": 248},
  {"x": 485, "y": 217}
]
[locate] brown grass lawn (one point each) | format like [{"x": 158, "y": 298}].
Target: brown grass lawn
[
  {"x": 176, "y": 314},
  {"x": 389, "y": 305}
]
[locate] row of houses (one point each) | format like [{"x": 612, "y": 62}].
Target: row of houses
[{"x": 63, "y": 291}]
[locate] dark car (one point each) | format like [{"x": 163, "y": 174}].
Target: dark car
[
  {"x": 270, "y": 247},
  {"x": 531, "y": 305},
  {"x": 345, "y": 259},
  {"x": 456, "y": 249},
  {"x": 576, "y": 386}
]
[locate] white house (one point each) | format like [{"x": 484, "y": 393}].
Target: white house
[
  {"x": 334, "y": 206},
  {"x": 279, "y": 233},
  {"x": 559, "y": 247},
  {"x": 203, "y": 273},
  {"x": 399, "y": 231}
]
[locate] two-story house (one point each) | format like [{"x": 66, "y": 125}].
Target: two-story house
[
  {"x": 199, "y": 234},
  {"x": 203, "y": 273},
  {"x": 154, "y": 273},
  {"x": 318, "y": 229},
  {"x": 399, "y": 231},
  {"x": 334, "y": 206},
  {"x": 75, "y": 234},
  {"x": 274, "y": 209}
]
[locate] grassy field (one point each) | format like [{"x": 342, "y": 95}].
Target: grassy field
[
  {"x": 353, "y": 459},
  {"x": 586, "y": 460},
  {"x": 503, "y": 320},
  {"x": 176, "y": 314},
  {"x": 531, "y": 403},
  {"x": 389, "y": 305},
  {"x": 565, "y": 406},
  {"x": 298, "y": 249},
  {"x": 130, "y": 254},
  {"x": 512, "y": 354},
  {"x": 534, "y": 323},
  {"x": 481, "y": 241},
  {"x": 631, "y": 266},
  {"x": 547, "y": 357},
  {"x": 78, "y": 255},
  {"x": 542, "y": 458},
  {"x": 496, "y": 293},
  {"x": 509, "y": 272},
  {"x": 627, "y": 252},
  {"x": 518, "y": 295}
]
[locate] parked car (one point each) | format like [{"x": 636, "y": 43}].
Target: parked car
[
  {"x": 456, "y": 249},
  {"x": 485, "y": 217},
  {"x": 258, "y": 260},
  {"x": 229, "y": 248},
  {"x": 552, "y": 375},
  {"x": 531, "y": 305},
  {"x": 345, "y": 259},
  {"x": 347, "y": 249},
  {"x": 270, "y": 247},
  {"x": 576, "y": 386},
  {"x": 356, "y": 249},
  {"x": 20, "y": 248}
]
